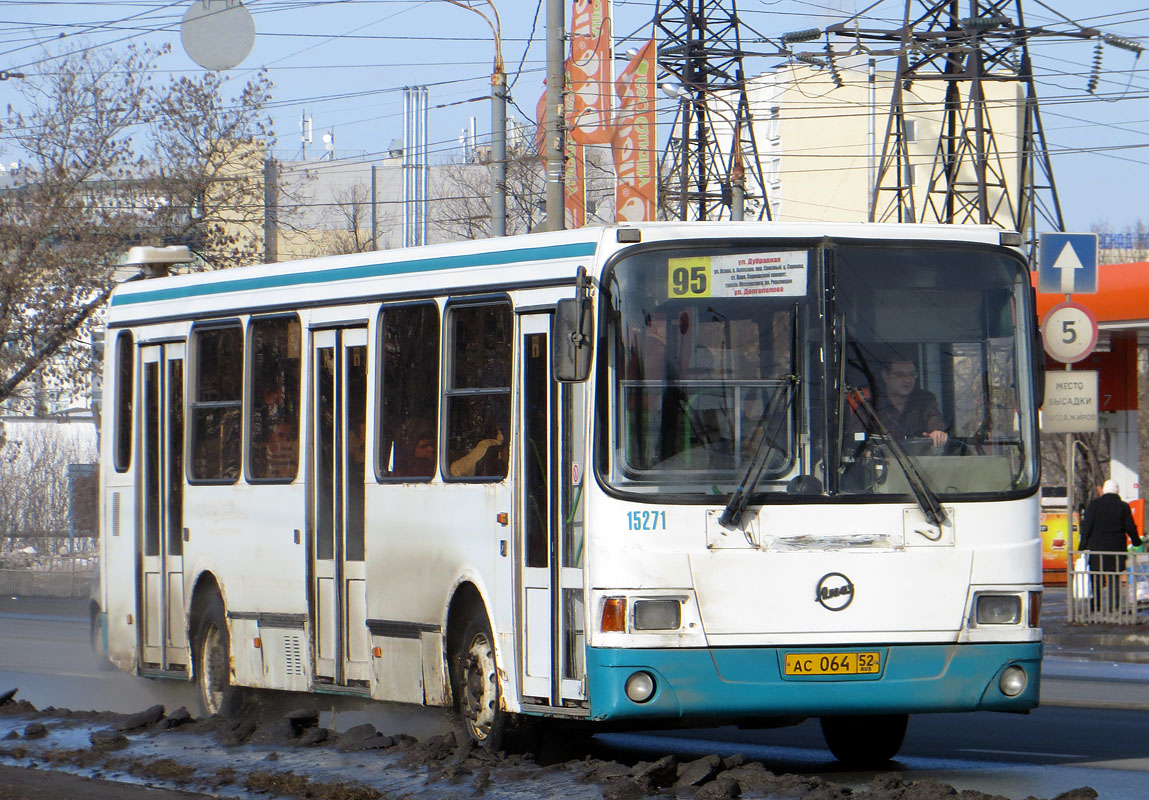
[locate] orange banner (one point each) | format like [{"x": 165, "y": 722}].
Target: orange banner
[
  {"x": 574, "y": 186},
  {"x": 633, "y": 142},
  {"x": 589, "y": 72},
  {"x": 541, "y": 120}
]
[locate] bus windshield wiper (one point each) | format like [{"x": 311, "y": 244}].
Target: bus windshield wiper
[
  {"x": 740, "y": 497},
  {"x": 925, "y": 496}
]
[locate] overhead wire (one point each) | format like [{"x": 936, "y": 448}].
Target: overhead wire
[{"x": 344, "y": 96}]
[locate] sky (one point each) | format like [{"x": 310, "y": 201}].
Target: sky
[{"x": 344, "y": 64}]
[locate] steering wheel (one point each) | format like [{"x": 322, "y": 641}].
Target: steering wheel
[{"x": 924, "y": 446}]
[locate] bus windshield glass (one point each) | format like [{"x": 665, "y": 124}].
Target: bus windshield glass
[
  {"x": 703, "y": 348},
  {"x": 791, "y": 368},
  {"x": 933, "y": 355}
]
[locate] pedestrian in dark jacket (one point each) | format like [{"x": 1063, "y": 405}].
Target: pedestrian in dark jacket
[{"x": 1108, "y": 520}]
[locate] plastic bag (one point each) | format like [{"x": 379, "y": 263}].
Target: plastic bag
[{"x": 1081, "y": 587}]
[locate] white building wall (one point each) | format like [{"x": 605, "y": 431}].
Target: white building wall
[{"x": 821, "y": 145}]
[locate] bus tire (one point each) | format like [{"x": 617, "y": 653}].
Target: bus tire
[
  {"x": 475, "y": 685},
  {"x": 863, "y": 741},
  {"x": 213, "y": 661}
]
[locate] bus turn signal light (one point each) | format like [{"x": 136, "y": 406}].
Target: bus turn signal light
[{"x": 613, "y": 615}]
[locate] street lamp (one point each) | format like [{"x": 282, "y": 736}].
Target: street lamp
[
  {"x": 736, "y": 180},
  {"x": 498, "y": 120}
]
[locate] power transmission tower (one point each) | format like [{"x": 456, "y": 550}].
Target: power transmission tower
[
  {"x": 700, "y": 47},
  {"x": 974, "y": 177}
]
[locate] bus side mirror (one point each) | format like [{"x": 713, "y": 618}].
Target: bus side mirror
[{"x": 572, "y": 341}]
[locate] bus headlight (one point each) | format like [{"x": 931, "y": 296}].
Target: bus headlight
[
  {"x": 657, "y": 615},
  {"x": 997, "y": 609},
  {"x": 1012, "y": 681},
  {"x": 640, "y": 687}
]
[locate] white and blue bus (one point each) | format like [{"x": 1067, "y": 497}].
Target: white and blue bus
[{"x": 639, "y": 475}]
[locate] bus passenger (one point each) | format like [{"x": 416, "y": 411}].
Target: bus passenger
[
  {"x": 419, "y": 459},
  {"x": 467, "y": 465}
]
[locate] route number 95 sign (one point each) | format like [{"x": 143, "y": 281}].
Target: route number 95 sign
[{"x": 781, "y": 274}]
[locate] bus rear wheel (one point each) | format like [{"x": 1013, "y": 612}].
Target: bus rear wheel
[
  {"x": 212, "y": 661},
  {"x": 863, "y": 741},
  {"x": 476, "y": 685}
]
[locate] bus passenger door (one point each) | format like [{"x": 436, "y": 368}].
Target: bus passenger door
[
  {"x": 162, "y": 614},
  {"x": 339, "y": 457},
  {"x": 550, "y": 567}
]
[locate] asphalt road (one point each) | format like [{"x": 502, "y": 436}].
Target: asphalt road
[{"x": 1093, "y": 730}]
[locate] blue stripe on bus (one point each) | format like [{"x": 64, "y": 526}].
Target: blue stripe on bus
[
  {"x": 500, "y": 257},
  {"x": 747, "y": 682}
]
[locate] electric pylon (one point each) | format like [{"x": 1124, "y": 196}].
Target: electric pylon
[
  {"x": 700, "y": 50},
  {"x": 973, "y": 177}
]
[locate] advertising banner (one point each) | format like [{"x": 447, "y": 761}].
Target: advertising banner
[
  {"x": 633, "y": 144},
  {"x": 590, "y": 71}
]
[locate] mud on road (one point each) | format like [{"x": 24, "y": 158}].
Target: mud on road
[{"x": 292, "y": 755}]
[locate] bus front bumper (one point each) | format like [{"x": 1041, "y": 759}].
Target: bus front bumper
[{"x": 747, "y": 682}]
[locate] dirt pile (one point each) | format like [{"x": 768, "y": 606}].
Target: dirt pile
[{"x": 275, "y": 755}]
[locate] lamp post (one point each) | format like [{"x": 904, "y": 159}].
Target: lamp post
[
  {"x": 736, "y": 179},
  {"x": 498, "y": 120}
]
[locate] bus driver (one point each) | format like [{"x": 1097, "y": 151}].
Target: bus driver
[{"x": 906, "y": 410}]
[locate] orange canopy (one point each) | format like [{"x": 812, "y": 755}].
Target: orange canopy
[{"x": 1123, "y": 294}]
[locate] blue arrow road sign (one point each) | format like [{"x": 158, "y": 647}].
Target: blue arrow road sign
[{"x": 1067, "y": 263}]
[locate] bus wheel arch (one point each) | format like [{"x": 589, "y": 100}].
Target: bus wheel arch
[
  {"x": 211, "y": 649},
  {"x": 472, "y": 669}
]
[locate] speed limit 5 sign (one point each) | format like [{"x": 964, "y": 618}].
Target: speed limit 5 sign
[{"x": 1069, "y": 332}]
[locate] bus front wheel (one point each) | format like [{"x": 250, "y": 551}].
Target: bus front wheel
[
  {"x": 865, "y": 740},
  {"x": 476, "y": 685},
  {"x": 212, "y": 661}
]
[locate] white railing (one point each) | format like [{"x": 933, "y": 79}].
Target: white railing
[{"x": 1110, "y": 593}]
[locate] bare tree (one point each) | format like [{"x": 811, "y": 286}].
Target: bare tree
[
  {"x": 353, "y": 205},
  {"x": 462, "y": 209},
  {"x": 85, "y": 192},
  {"x": 34, "y": 479},
  {"x": 1090, "y": 465},
  {"x": 206, "y": 167},
  {"x": 60, "y": 228}
]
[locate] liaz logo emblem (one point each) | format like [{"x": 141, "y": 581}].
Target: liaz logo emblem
[{"x": 835, "y": 591}]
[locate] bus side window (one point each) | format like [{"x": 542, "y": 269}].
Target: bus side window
[
  {"x": 216, "y": 404},
  {"x": 409, "y": 392},
  {"x": 478, "y": 391},
  {"x": 273, "y": 415},
  {"x": 125, "y": 369}
]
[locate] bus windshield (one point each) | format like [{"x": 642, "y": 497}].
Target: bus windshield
[{"x": 793, "y": 367}]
